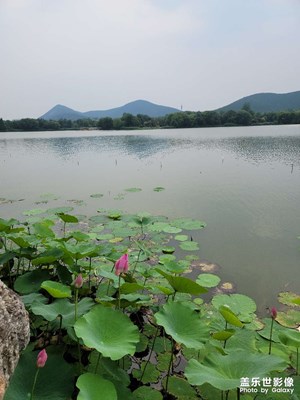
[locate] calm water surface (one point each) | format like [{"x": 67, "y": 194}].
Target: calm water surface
[{"x": 244, "y": 182}]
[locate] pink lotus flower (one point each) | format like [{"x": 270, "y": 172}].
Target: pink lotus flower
[
  {"x": 41, "y": 358},
  {"x": 273, "y": 313},
  {"x": 78, "y": 281},
  {"x": 121, "y": 265}
]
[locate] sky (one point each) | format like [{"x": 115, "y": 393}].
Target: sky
[{"x": 100, "y": 54}]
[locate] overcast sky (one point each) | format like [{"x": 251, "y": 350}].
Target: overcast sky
[{"x": 101, "y": 54}]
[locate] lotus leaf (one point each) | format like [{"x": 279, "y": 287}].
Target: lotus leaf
[
  {"x": 91, "y": 386},
  {"x": 146, "y": 392},
  {"x": 182, "y": 284},
  {"x": 208, "y": 280},
  {"x": 31, "y": 281},
  {"x": 225, "y": 372},
  {"x": 63, "y": 308},
  {"x": 289, "y": 298},
  {"x": 238, "y": 303},
  {"x": 181, "y": 389},
  {"x": 56, "y": 289},
  {"x": 183, "y": 324},
  {"x": 114, "y": 339},
  {"x": 188, "y": 224}
]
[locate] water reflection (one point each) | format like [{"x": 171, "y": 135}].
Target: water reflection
[{"x": 254, "y": 149}]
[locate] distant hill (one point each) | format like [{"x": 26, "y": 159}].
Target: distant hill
[
  {"x": 135, "y": 107},
  {"x": 267, "y": 102}
]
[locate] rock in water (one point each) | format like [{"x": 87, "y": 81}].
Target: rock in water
[{"x": 14, "y": 333}]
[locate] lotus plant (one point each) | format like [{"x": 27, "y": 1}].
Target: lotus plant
[
  {"x": 121, "y": 266},
  {"x": 40, "y": 363},
  {"x": 273, "y": 313}
]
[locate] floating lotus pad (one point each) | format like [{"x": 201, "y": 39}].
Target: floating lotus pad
[{"x": 208, "y": 280}]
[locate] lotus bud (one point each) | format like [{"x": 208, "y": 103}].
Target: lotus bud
[
  {"x": 273, "y": 313},
  {"x": 41, "y": 358},
  {"x": 78, "y": 281},
  {"x": 121, "y": 265}
]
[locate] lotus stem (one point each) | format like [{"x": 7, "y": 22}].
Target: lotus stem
[
  {"x": 97, "y": 364},
  {"x": 34, "y": 383},
  {"x": 150, "y": 354},
  {"x": 170, "y": 364},
  {"x": 271, "y": 334},
  {"x": 119, "y": 292},
  {"x": 297, "y": 361}
]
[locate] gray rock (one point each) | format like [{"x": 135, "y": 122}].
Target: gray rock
[{"x": 14, "y": 333}]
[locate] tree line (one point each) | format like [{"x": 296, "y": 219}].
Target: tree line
[{"x": 183, "y": 119}]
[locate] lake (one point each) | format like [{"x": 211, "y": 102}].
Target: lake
[{"x": 243, "y": 182}]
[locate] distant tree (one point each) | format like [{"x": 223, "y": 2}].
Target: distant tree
[
  {"x": 118, "y": 124},
  {"x": 243, "y": 118},
  {"x": 211, "y": 118},
  {"x": 2, "y": 126},
  {"x": 229, "y": 118},
  {"x": 26, "y": 124},
  {"x": 129, "y": 120},
  {"x": 247, "y": 107},
  {"x": 106, "y": 123},
  {"x": 197, "y": 119}
]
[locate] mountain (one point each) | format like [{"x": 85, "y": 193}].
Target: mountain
[
  {"x": 267, "y": 102},
  {"x": 135, "y": 107}
]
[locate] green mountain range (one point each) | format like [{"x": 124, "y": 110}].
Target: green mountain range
[
  {"x": 267, "y": 102},
  {"x": 135, "y": 107},
  {"x": 260, "y": 102}
]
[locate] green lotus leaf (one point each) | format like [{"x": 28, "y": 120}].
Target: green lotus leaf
[
  {"x": 188, "y": 224},
  {"x": 146, "y": 392},
  {"x": 171, "y": 229},
  {"x": 31, "y": 281},
  {"x": 158, "y": 226},
  {"x": 181, "y": 389},
  {"x": 114, "y": 339},
  {"x": 71, "y": 219},
  {"x": 33, "y": 298},
  {"x": 189, "y": 246},
  {"x": 238, "y": 303},
  {"x": 48, "y": 256},
  {"x": 225, "y": 372},
  {"x": 96, "y": 195},
  {"x": 151, "y": 373},
  {"x": 265, "y": 332},
  {"x": 133, "y": 189},
  {"x": 35, "y": 211},
  {"x": 208, "y": 280},
  {"x": 223, "y": 335},
  {"x": 230, "y": 316},
  {"x": 91, "y": 386},
  {"x": 168, "y": 249},
  {"x": 181, "y": 238},
  {"x": 289, "y": 318},
  {"x": 182, "y": 284},
  {"x": 158, "y": 189},
  {"x": 56, "y": 289},
  {"x": 289, "y": 298},
  {"x": 55, "y": 380},
  {"x": 183, "y": 324},
  {"x": 63, "y": 308},
  {"x": 57, "y": 210},
  {"x": 290, "y": 338},
  {"x": 108, "y": 369},
  {"x": 49, "y": 196},
  {"x": 42, "y": 229}
]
